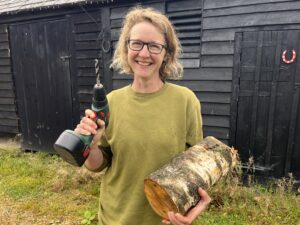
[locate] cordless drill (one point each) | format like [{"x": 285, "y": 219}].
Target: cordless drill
[{"x": 74, "y": 148}]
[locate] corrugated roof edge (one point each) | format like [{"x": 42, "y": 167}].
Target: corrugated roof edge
[{"x": 11, "y": 9}]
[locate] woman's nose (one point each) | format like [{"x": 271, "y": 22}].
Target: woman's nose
[{"x": 144, "y": 51}]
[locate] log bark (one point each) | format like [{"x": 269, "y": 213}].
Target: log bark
[{"x": 174, "y": 186}]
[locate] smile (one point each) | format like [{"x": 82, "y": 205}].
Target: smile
[{"x": 143, "y": 63}]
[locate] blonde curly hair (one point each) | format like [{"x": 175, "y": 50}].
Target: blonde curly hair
[{"x": 171, "y": 67}]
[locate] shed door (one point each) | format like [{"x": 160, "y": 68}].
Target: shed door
[
  {"x": 267, "y": 114},
  {"x": 41, "y": 68}
]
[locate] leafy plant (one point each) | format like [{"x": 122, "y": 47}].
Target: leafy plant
[{"x": 89, "y": 218}]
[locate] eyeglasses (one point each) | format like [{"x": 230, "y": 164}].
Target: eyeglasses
[{"x": 153, "y": 48}]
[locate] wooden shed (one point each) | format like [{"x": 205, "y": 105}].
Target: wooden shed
[{"x": 233, "y": 55}]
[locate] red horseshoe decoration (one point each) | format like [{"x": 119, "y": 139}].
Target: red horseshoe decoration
[{"x": 288, "y": 61}]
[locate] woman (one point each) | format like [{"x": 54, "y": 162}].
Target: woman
[{"x": 151, "y": 121}]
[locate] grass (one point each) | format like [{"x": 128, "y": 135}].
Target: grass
[
  {"x": 44, "y": 187},
  {"x": 40, "y": 189}
]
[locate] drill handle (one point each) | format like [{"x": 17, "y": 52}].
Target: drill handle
[{"x": 102, "y": 114}]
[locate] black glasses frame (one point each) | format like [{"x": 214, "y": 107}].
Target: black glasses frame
[{"x": 146, "y": 43}]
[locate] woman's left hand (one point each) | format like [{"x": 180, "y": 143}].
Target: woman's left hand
[{"x": 178, "y": 219}]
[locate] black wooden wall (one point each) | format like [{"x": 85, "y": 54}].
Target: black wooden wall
[
  {"x": 8, "y": 115},
  {"x": 222, "y": 21}
]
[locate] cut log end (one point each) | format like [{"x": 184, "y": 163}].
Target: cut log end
[
  {"x": 159, "y": 199},
  {"x": 173, "y": 186}
]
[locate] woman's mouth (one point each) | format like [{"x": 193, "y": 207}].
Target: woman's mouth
[{"x": 143, "y": 63}]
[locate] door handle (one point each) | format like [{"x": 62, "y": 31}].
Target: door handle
[{"x": 65, "y": 57}]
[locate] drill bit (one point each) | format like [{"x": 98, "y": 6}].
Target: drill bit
[{"x": 97, "y": 70}]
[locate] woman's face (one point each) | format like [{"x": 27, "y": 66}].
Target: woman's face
[{"x": 144, "y": 64}]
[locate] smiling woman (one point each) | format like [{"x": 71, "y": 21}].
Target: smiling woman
[{"x": 151, "y": 121}]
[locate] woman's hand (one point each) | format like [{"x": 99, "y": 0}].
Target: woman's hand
[
  {"x": 87, "y": 126},
  {"x": 178, "y": 219}
]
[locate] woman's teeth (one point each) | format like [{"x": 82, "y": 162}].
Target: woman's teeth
[{"x": 144, "y": 63}]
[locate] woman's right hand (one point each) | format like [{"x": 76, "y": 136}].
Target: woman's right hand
[{"x": 87, "y": 126}]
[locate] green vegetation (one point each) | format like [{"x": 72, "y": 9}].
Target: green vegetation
[{"x": 40, "y": 189}]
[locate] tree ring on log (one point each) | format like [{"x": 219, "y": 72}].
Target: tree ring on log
[{"x": 159, "y": 199}]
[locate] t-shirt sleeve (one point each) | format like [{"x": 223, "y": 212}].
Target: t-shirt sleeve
[
  {"x": 106, "y": 152},
  {"x": 194, "y": 132}
]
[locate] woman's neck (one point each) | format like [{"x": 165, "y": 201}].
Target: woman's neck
[{"x": 147, "y": 86}]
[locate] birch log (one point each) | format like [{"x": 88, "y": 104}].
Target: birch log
[{"x": 174, "y": 186}]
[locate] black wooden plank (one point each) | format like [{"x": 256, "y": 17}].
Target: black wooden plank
[
  {"x": 178, "y": 14},
  {"x": 86, "y": 63},
  {"x": 188, "y": 27},
  {"x": 190, "y": 42},
  {"x": 116, "y": 23},
  {"x": 4, "y": 45},
  {"x": 86, "y": 72},
  {"x": 292, "y": 129},
  {"x": 235, "y": 88},
  {"x": 9, "y": 129},
  {"x": 73, "y": 70},
  {"x": 7, "y": 93},
  {"x": 87, "y": 45},
  {"x": 213, "y": 97},
  {"x": 215, "y": 109},
  {"x": 8, "y": 108},
  {"x": 4, "y": 53},
  {"x": 218, "y": 48},
  {"x": 83, "y": 81},
  {"x": 271, "y": 7},
  {"x": 87, "y": 28},
  {"x": 221, "y": 74},
  {"x": 272, "y": 115},
  {"x": 217, "y": 61},
  {"x": 183, "y": 5},
  {"x": 218, "y": 132},
  {"x": 193, "y": 48},
  {"x": 216, "y": 121},
  {"x": 7, "y": 101},
  {"x": 3, "y": 37},
  {"x": 6, "y": 85},
  {"x": 18, "y": 55},
  {"x": 214, "y": 4},
  {"x": 5, "y": 69},
  {"x": 206, "y": 86},
  {"x": 86, "y": 18},
  {"x": 8, "y": 115},
  {"x": 189, "y": 34},
  {"x": 218, "y": 35},
  {"x": 187, "y": 20},
  {"x": 118, "y": 13},
  {"x": 106, "y": 55},
  {"x": 193, "y": 55},
  {"x": 256, "y": 88},
  {"x": 190, "y": 63},
  {"x": 85, "y": 98},
  {"x": 3, "y": 28},
  {"x": 246, "y": 20},
  {"x": 5, "y": 77},
  {"x": 9, "y": 122},
  {"x": 5, "y": 62},
  {"x": 90, "y": 54},
  {"x": 87, "y": 37},
  {"x": 115, "y": 33}
]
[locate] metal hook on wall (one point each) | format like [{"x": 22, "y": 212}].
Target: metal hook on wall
[{"x": 105, "y": 45}]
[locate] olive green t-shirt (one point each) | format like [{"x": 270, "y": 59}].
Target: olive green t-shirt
[{"x": 145, "y": 131}]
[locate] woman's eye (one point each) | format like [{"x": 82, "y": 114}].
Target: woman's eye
[
  {"x": 136, "y": 44},
  {"x": 155, "y": 47}
]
